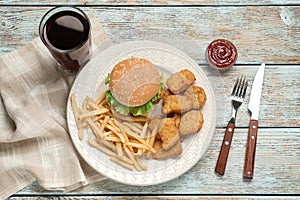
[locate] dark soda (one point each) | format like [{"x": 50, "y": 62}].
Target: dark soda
[{"x": 67, "y": 36}]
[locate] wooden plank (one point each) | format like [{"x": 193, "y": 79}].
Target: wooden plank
[
  {"x": 280, "y": 103},
  {"x": 276, "y": 171},
  {"x": 155, "y": 197},
  {"x": 268, "y": 34},
  {"x": 151, "y": 2}
]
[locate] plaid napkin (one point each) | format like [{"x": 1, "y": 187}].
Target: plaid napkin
[{"x": 34, "y": 140}]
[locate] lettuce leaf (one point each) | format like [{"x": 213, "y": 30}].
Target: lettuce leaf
[
  {"x": 107, "y": 78},
  {"x": 135, "y": 111}
]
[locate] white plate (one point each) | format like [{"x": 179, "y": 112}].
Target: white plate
[{"x": 90, "y": 82}]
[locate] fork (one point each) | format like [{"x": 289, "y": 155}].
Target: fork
[{"x": 237, "y": 98}]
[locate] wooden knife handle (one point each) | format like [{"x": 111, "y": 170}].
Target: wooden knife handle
[
  {"x": 223, "y": 155},
  {"x": 250, "y": 150}
]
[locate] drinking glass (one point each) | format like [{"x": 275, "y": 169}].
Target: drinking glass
[{"x": 66, "y": 32}]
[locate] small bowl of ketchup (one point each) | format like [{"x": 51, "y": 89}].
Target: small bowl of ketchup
[{"x": 221, "y": 54}]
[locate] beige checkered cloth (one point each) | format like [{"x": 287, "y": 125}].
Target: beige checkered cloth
[{"x": 34, "y": 140}]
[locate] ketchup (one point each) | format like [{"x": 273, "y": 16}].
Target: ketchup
[{"x": 221, "y": 54}]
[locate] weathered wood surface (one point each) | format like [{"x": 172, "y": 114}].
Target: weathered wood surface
[
  {"x": 276, "y": 170},
  {"x": 268, "y": 34},
  {"x": 280, "y": 103},
  {"x": 150, "y": 2}
]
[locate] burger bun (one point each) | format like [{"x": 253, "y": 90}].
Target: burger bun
[{"x": 134, "y": 81}]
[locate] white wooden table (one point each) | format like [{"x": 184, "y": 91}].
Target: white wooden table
[{"x": 262, "y": 30}]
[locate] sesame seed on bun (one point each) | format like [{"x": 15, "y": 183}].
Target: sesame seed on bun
[{"x": 134, "y": 81}]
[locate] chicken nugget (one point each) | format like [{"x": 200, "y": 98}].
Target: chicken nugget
[
  {"x": 180, "y": 81},
  {"x": 188, "y": 75},
  {"x": 166, "y": 92},
  {"x": 191, "y": 122},
  {"x": 177, "y": 104},
  {"x": 198, "y": 96},
  {"x": 157, "y": 145},
  {"x": 173, "y": 152},
  {"x": 169, "y": 133},
  {"x": 176, "y": 117}
]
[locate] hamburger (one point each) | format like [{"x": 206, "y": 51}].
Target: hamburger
[{"x": 135, "y": 85}]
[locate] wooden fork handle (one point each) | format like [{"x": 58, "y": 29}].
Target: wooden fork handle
[
  {"x": 250, "y": 150},
  {"x": 223, "y": 155}
]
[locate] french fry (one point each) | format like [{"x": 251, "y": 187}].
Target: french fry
[
  {"x": 113, "y": 128},
  {"x": 96, "y": 130},
  {"x": 133, "y": 128},
  {"x": 142, "y": 141},
  {"x": 147, "y": 139},
  {"x": 125, "y": 135},
  {"x": 109, "y": 145},
  {"x": 132, "y": 158},
  {"x": 101, "y": 148},
  {"x": 129, "y": 132},
  {"x": 144, "y": 130},
  {"x": 85, "y": 104},
  {"x": 90, "y": 103},
  {"x": 138, "y": 145},
  {"x": 152, "y": 139},
  {"x": 76, "y": 116},
  {"x": 105, "y": 121},
  {"x": 100, "y": 99},
  {"x": 93, "y": 113},
  {"x": 122, "y": 163},
  {"x": 119, "y": 149},
  {"x": 108, "y": 133},
  {"x": 151, "y": 143},
  {"x": 144, "y": 167},
  {"x": 116, "y": 122},
  {"x": 139, "y": 125},
  {"x": 124, "y": 159},
  {"x": 113, "y": 124},
  {"x": 117, "y": 132},
  {"x": 112, "y": 139}
]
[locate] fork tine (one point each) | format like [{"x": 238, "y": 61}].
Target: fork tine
[
  {"x": 241, "y": 86},
  {"x": 235, "y": 88},
  {"x": 245, "y": 89},
  {"x": 238, "y": 93}
]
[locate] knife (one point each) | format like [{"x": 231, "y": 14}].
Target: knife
[{"x": 253, "y": 108}]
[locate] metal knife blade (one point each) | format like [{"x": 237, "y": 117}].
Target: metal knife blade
[
  {"x": 253, "y": 106},
  {"x": 255, "y": 94}
]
